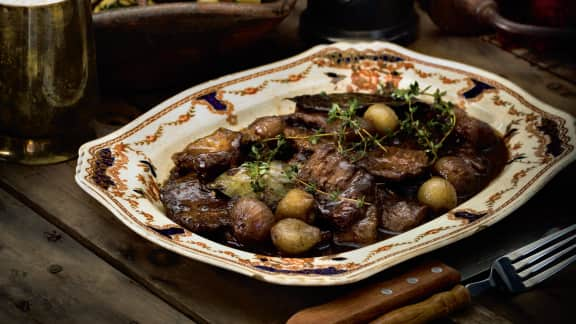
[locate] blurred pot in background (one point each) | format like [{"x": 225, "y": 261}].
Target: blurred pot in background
[
  {"x": 171, "y": 45},
  {"x": 543, "y": 24},
  {"x": 333, "y": 20}
]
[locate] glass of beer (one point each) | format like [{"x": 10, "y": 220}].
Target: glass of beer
[{"x": 48, "y": 84}]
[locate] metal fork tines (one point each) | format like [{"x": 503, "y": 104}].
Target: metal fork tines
[{"x": 530, "y": 265}]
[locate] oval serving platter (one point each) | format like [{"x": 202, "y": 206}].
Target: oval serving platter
[{"x": 124, "y": 169}]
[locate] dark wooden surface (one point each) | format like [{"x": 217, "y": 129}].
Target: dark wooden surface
[
  {"x": 108, "y": 274},
  {"x": 46, "y": 276}
]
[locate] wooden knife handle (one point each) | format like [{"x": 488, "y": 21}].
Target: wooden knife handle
[
  {"x": 437, "y": 306},
  {"x": 366, "y": 304}
]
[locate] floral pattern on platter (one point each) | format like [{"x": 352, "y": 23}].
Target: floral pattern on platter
[
  {"x": 252, "y": 90},
  {"x": 124, "y": 170},
  {"x": 370, "y": 69},
  {"x": 149, "y": 139}
]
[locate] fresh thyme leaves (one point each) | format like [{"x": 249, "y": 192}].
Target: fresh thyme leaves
[
  {"x": 256, "y": 151},
  {"x": 361, "y": 202},
  {"x": 312, "y": 188},
  {"x": 345, "y": 114},
  {"x": 431, "y": 132},
  {"x": 292, "y": 172},
  {"x": 334, "y": 195},
  {"x": 256, "y": 171},
  {"x": 409, "y": 93},
  {"x": 262, "y": 156},
  {"x": 314, "y": 138},
  {"x": 350, "y": 124},
  {"x": 261, "y": 151}
]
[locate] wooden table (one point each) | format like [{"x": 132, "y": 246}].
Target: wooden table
[{"x": 66, "y": 259}]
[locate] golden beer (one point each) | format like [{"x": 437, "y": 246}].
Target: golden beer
[{"x": 48, "y": 86}]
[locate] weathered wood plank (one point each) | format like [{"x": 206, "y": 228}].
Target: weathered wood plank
[
  {"x": 47, "y": 277},
  {"x": 477, "y": 314}
]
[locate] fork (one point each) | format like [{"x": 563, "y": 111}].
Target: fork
[
  {"x": 514, "y": 272},
  {"x": 521, "y": 269}
]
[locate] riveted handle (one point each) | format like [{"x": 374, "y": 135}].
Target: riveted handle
[
  {"x": 437, "y": 306},
  {"x": 366, "y": 304}
]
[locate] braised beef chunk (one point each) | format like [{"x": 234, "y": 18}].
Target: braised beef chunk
[
  {"x": 262, "y": 128},
  {"x": 335, "y": 127},
  {"x": 403, "y": 215},
  {"x": 342, "y": 213},
  {"x": 210, "y": 155},
  {"x": 400, "y": 214},
  {"x": 193, "y": 206},
  {"x": 299, "y": 136},
  {"x": 301, "y": 126},
  {"x": 476, "y": 132},
  {"x": 463, "y": 173},
  {"x": 332, "y": 173},
  {"x": 395, "y": 163},
  {"x": 309, "y": 120},
  {"x": 363, "y": 232},
  {"x": 328, "y": 170}
]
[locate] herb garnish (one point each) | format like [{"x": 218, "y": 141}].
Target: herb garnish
[
  {"x": 312, "y": 188},
  {"x": 432, "y": 132},
  {"x": 350, "y": 124},
  {"x": 262, "y": 156}
]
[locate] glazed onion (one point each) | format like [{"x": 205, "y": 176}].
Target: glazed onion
[
  {"x": 438, "y": 193},
  {"x": 251, "y": 220},
  {"x": 382, "y": 118},
  {"x": 293, "y": 236},
  {"x": 296, "y": 204}
]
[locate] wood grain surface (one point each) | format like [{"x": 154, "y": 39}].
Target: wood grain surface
[{"x": 47, "y": 277}]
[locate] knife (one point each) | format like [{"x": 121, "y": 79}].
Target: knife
[
  {"x": 366, "y": 304},
  {"x": 515, "y": 272}
]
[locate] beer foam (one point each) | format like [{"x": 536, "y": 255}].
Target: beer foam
[{"x": 29, "y": 3}]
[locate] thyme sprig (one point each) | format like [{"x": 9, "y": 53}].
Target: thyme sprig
[
  {"x": 313, "y": 139},
  {"x": 432, "y": 132},
  {"x": 350, "y": 124},
  {"x": 256, "y": 171},
  {"x": 335, "y": 195},
  {"x": 262, "y": 156}
]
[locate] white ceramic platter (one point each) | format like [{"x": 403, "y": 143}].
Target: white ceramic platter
[{"x": 124, "y": 169}]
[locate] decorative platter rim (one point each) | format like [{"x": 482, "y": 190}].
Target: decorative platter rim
[{"x": 123, "y": 169}]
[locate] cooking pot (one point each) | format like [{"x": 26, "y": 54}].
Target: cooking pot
[
  {"x": 552, "y": 20},
  {"x": 334, "y": 20}
]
